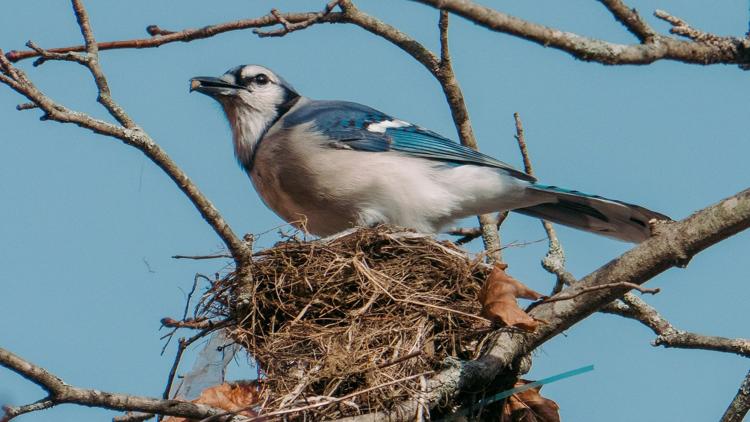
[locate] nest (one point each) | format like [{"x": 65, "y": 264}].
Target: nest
[{"x": 355, "y": 324}]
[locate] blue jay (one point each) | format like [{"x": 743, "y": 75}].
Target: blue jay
[{"x": 327, "y": 166}]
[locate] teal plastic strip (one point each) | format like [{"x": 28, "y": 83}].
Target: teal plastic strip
[
  {"x": 548, "y": 380},
  {"x": 508, "y": 393}
]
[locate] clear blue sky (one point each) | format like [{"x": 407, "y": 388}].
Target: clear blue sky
[{"x": 88, "y": 225}]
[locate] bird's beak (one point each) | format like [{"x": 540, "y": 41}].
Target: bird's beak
[{"x": 213, "y": 87}]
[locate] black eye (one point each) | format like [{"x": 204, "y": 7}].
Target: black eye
[{"x": 261, "y": 79}]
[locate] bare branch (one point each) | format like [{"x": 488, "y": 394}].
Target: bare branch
[
  {"x": 729, "y": 50},
  {"x": 667, "y": 335},
  {"x": 575, "y": 291},
  {"x": 631, "y": 20},
  {"x": 726, "y": 50},
  {"x": 740, "y": 405},
  {"x": 182, "y": 345},
  {"x": 26, "y": 106},
  {"x": 288, "y": 27},
  {"x": 554, "y": 260},
  {"x": 11, "y": 412},
  {"x": 161, "y": 36},
  {"x": 682, "y": 28},
  {"x": 455, "y": 97},
  {"x": 60, "y": 392},
  {"x": 195, "y": 324},
  {"x": 92, "y": 63},
  {"x": 45, "y": 55},
  {"x": 470, "y": 233}
]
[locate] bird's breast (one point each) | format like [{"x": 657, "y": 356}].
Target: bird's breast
[{"x": 298, "y": 188}]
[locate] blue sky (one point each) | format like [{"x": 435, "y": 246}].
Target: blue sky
[{"x": 88, "y": 225}]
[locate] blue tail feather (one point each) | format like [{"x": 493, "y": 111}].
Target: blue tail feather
[{"x": 592, "y": 213}]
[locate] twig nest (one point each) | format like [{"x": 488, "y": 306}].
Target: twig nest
[{"x": 350, "y": 317}]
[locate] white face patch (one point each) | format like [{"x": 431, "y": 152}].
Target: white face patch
[
  {"x": 254, "y": 69},
  {"x": 380, "y": 127}
]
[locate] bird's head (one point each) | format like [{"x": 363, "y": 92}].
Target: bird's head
[
  {"x": 248, "y": 86},
  {"x": 253, "y": 98}
]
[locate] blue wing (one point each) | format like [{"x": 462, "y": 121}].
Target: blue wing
[{"x": 363, "y": 128}]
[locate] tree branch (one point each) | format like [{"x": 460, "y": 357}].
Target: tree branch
[
  {"x": 554, "y": 261},
  {"x": 575, "y": 291},
  {"x": 682, "y": 28},
  {"x": 726, "y": 50},
  {"x": 631, "y": 20},
  {"x": 60, "y": 392},
  {"x": 288, "y": 27},
  {"x": 653, "y": 47},
  {"x": 740, "y": 405},
  {"x": 92, "y": 63},
  {"x": 161, "y": 37},
  {"x": 667, "y": 335}
]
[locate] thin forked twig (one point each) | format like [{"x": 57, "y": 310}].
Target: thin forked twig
[
  {"x": 668, "y": 335},
  {"x": 288, "y": 27},
  {"x": 589, "y": 289}
]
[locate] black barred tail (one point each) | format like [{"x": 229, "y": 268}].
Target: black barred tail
[{"x": 592, "y": 213}]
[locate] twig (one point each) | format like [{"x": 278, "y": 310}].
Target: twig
[
  {"x": 182, "y": 345},
  {"x": 45, "y": 55},
  {"x": 401, "y": 359},
  {"x": 631, "y": 20},
  {"x": 26, "y": 106},
  {"x": 161, "y": 36},
  {"x": 682, "y": 28},
  {"x": 740, "y": 404},
  {"x": 92, "y": 63},
  {"x": 300, "y": 387},
  {"x": 60, "y": 392},
  {"x": 195, "y": 324},
  {"x": 453, "y": 94},
  {"x": 288, "y": 27},
  {"x": 667, "y": 335},
  {"x": 554, "y": 261},
  {"x": 585, "y": 290},
  {"x": 470, "y": 233},
  {"x": 199, "y": 257}
]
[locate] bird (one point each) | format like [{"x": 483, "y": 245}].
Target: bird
[{"x": 327, "y": 166}]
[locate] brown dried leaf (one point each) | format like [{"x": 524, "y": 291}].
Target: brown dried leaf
[
  {"x": 232, "y": 397},
  {"x": 498, "y": 299},
  {"x": 529, "y": 406}
]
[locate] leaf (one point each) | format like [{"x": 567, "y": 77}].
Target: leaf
[
  {"x": 498, "y": 299},
  {"x": 233, "y": 397},
  {"x": 529, "y": 406}
]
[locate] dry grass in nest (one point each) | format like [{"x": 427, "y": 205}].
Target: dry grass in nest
[{"x": 356, "y": 313}]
